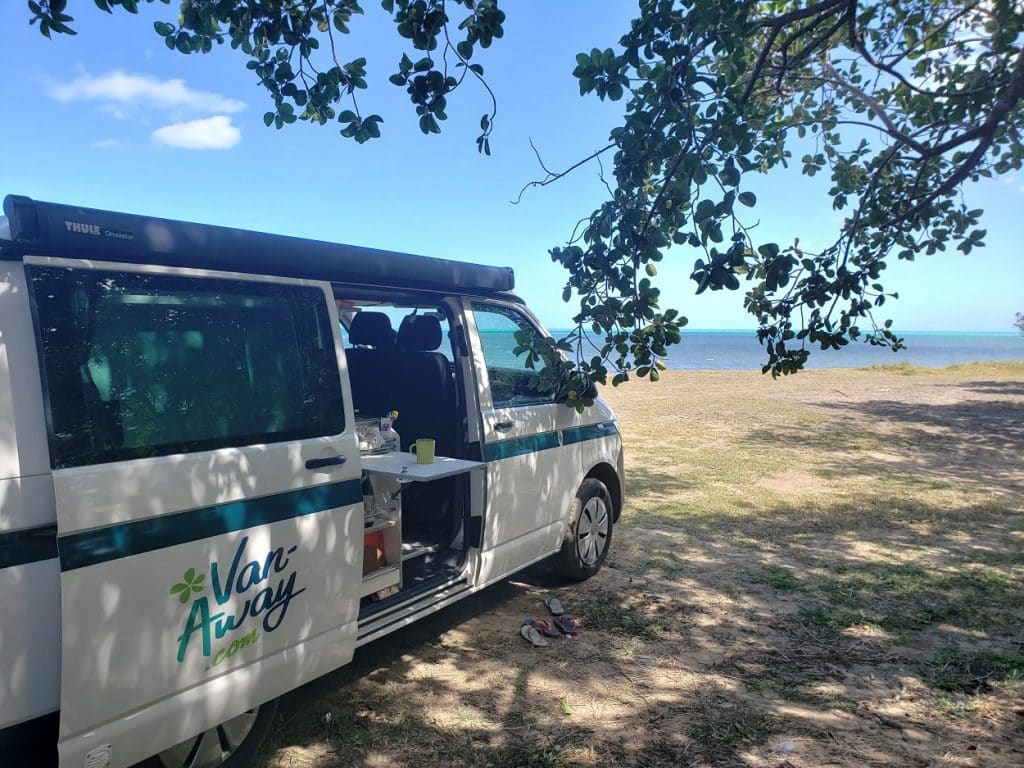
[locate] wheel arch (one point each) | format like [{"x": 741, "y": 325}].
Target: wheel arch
[{"x": 606, "y": 473}]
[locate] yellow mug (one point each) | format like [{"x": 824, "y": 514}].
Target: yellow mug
[{"x": 423, "y": 450}]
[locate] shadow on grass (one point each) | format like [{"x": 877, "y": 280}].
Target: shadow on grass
[
  {"x": 971, "y": 441},
  {"x": 948, "y": 621},
  {"x": 648, "y": 483},
  {"x": 1006, "y": 388}
]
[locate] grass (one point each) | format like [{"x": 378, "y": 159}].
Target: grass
[
  {"x": 925, "y": 498},
  {"x": 971, "y": 672},
  {"x": 1013, "y": 368},
  {"x": 905, "y": 597},
  {"x": 721, "y": 726},
  {"x": 777, "y": 577},
  {"x": 606, "y": 614},
  {"x": 725, "y": 443}
]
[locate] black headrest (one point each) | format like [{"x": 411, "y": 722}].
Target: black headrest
[
  {"x": 371, "y": 329},
  {"x": 421, "y": 333}
]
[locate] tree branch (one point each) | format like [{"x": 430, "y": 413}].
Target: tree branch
[
  {"x": 553, "y": 177},
  {"x": 803, "y": 13},
  {"x": 891, "y": 128},
  {"x": 1008, "y": 99}
]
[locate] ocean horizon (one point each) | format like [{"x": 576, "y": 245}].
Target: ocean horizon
[{"x": 731, "y": 350}]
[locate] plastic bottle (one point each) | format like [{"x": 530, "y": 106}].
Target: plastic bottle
[{"x": 387, "y": 431}]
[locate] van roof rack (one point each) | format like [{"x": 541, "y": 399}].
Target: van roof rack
[{"x": 54, "y": 229}]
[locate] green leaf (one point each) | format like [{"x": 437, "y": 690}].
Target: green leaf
[
  {"x": 190, "y": 575},
  {"x": 748, "y": 199}
]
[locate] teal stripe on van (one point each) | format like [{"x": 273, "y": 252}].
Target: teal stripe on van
[
  {"x": 518, "y": 446},
  {"x": 28, "y": 546},
  {"x": 78, "y": 550},
  {"x": 589, "y": 432}
]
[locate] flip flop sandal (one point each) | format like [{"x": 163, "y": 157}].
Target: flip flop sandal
[
  {"x": 535, "y": 638},
  {"x": 554, "y": 605},
  {"x": 544, "y": 627},
  {"x": 567, "y": 624}
]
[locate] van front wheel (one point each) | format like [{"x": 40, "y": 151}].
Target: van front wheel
[
  {"x": 229, "y": 745},
  {"x": 589, "y": 533}
]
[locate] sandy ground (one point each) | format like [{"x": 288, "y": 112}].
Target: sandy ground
[{"x": 821, "y": 571}]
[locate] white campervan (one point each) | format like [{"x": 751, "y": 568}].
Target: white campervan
[{"x": 206, "y": 496}]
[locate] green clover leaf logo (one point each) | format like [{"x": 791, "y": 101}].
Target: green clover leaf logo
[{"x": 190, "y": 585}]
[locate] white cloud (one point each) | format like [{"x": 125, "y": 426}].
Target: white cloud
[
  {"x": 118, "y": 90},
  {"x": 215, "y": 132}
]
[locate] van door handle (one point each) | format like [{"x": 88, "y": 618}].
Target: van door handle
[
  {"x": 330, "y": 461},
  {"x": 503, "y": 426}
]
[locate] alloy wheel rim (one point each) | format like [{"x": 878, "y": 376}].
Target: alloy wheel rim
[
  {"x": 213, "y": 747},
  {"x": 592, "y": 530}
]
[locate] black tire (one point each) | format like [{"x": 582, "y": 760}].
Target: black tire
[
  {"x": 191, "y": 753},
  {"x": 589, "y": 533}
]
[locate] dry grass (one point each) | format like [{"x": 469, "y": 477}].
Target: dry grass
[{"x": 824, "y": 570}]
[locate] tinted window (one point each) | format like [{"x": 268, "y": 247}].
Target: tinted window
[
  {"x": 142, "y": 365},
  {"x": 507, "y": 372}
]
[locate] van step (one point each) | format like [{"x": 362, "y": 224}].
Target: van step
[{"x": 413, "y": 604}]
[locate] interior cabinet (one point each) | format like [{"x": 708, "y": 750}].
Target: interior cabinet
[
  {"x": 382, "y": 536},
  {"x": 383, "y": 547}
]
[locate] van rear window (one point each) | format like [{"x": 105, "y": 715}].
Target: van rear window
[{"x": 139, "y": 365}]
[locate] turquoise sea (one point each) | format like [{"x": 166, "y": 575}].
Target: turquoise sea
[{"x": 739, "y": 350}]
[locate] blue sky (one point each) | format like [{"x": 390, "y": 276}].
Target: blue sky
[{"x": 112, "y": 119}]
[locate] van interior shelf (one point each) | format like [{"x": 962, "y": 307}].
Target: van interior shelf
[
  {"x": 376, "y": 523},
  {"x": 411, "y": 549},
  {"x": 382, "y": 578},
  {"x": 402, "y": 466}
]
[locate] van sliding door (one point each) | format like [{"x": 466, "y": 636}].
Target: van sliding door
[{"x": 208, "y": 497}]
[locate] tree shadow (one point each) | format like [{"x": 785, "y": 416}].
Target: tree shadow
[
  {"x": 1006, "y": 388},
  {"x": 707, "y": 659},
  {"x": 649, "y": 483},
  {"x": 971, "y": 441}
]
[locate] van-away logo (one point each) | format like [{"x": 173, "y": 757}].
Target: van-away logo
[{"x": 267, "y": 589}]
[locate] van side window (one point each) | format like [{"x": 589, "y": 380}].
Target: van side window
[
  {"x": 139, "y": 365},
  {"x": 507, "y": 372}
]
